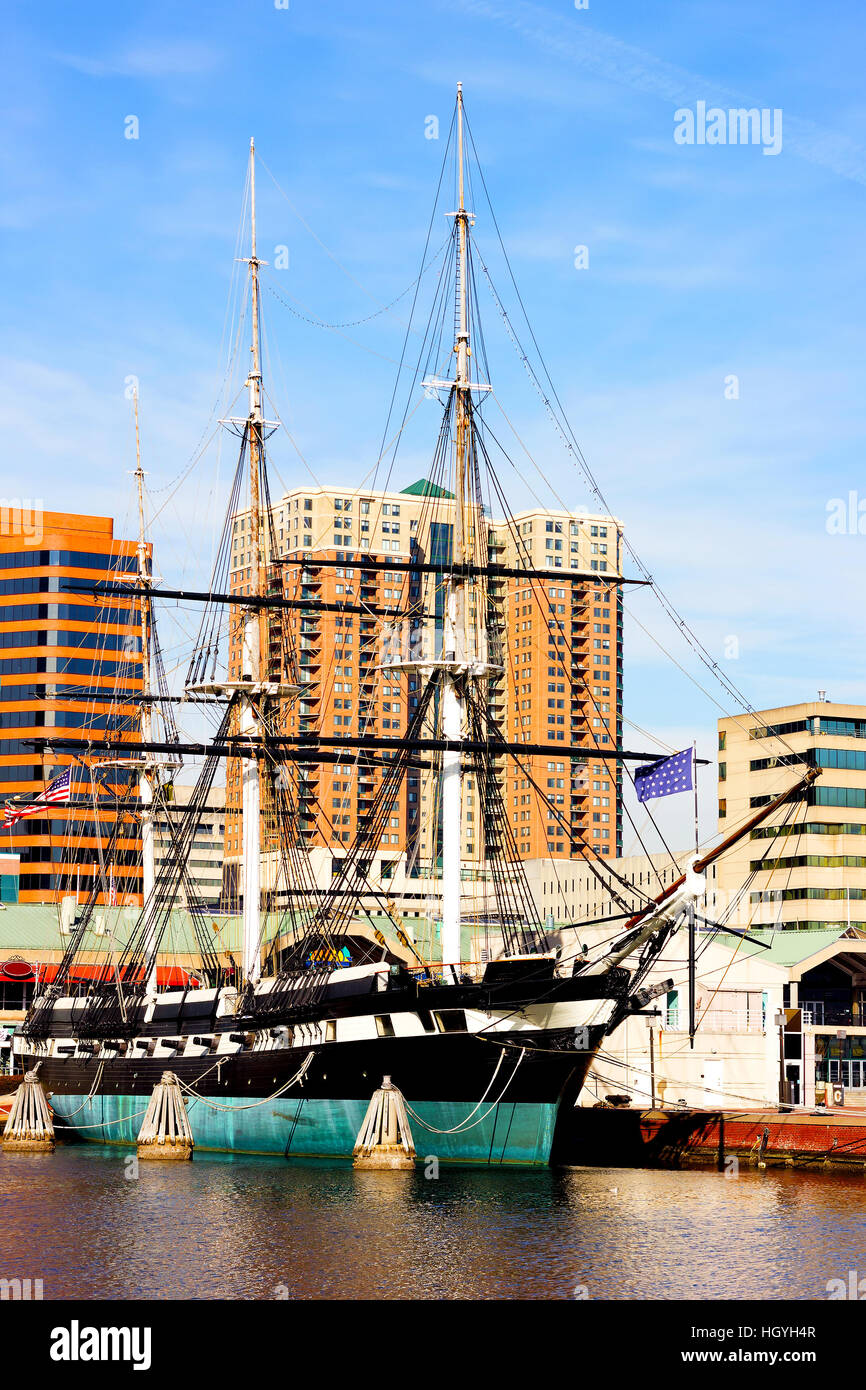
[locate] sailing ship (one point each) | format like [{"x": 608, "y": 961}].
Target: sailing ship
[{"x": 280, "y": 1053}]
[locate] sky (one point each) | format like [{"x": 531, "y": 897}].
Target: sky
[{"x": 707, "y": 348}]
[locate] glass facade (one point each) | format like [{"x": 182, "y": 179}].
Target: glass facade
[{"x": 59, "y": 854}]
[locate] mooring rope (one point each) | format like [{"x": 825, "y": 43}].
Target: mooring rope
[
  {"x": 219, "y": 1105},
  {"x": 93, "y": 1088},
  {"x": 464, "y": 1124},
  {"x": 104, "y": 1124}
]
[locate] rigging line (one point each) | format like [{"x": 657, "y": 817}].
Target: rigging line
[
  {"x": 232, "y": 294},
  {"x": 188, "y": 468},
  {"x": 536, "y": 584},
  {"x": 203, "y": 443},
  {"x": 356, "y": 323},
  {"x": 665, "y": 747},
  {"x": 574, "y": 450},
  {"x": 484, "y": 427},
  {"x": 417, "y": 288},
  {"x": 362, "y": 486},
  {"x": 367, "y": 885},
  {"x": 592, "y": 860},
  {"x": 383, "y": 357},
  {"x": 327, "y": 251}
]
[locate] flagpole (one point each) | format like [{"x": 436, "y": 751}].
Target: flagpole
[{"x": 692, "y": 913}]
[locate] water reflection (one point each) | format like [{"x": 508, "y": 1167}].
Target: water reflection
[{"x": 259, "y": 1228}]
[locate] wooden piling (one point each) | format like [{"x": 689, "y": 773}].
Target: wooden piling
[
  {"x": 385, "y": 1140},
  {"x": 29, "y": 1128},
  {"x": 166, "y": 1134}
]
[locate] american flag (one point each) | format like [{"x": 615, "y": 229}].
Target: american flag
[
  {"x": 58, "y": 790},
  {"x": 665, "y": 777}
]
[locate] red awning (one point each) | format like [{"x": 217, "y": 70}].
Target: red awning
[{"x": 167, "y": 976}]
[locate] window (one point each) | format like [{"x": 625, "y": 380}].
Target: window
[
  {"x": 384, "y": 1026},
  {"x": 451, "y": 1020}
]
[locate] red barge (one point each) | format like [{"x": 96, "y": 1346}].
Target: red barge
[{"x": 629, "y": 1137}]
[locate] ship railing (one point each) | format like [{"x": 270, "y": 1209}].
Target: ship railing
[{"x": 464, "y": 972}]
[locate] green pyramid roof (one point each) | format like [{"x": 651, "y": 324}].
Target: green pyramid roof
[{"x": 424, "y": 488}]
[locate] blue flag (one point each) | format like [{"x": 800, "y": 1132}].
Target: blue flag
[{"x": 663, "y": 778}]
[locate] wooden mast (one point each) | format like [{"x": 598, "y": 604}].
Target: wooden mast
[
  {"x": 254, "y": 620},
  {"x": 148, "y": 773},
  {"x": 454, "y": 634}
]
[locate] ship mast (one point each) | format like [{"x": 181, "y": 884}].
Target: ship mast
[
  {"x": 253, "y": 620},
  {"x": 454, "y": 650},
  {"x": 148, "y": 774}
]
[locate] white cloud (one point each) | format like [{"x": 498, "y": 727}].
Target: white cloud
[
  {"x": 576, "y": 41},
  {"x": 170, "y": 58}
]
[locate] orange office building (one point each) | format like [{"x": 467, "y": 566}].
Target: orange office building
[{"x": 66, "y": 660}]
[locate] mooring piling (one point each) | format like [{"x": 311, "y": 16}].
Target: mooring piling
[
  {"x": 29, "y": 1128},
  {"x": 166, "y": 1133},
  {"x": 385, "y": 1139}
]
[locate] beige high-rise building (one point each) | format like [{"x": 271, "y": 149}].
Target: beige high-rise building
[
  {"x": 807, "y": 866},
  {"x": 557, "y": 641},
  {"x": 205, "y": 861}
]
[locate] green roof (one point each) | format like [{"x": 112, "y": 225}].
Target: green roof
[
  {"x": 33, "y": 927},
  {"x": 788, "y": 948},
  {"x": 424, "y": 488}
]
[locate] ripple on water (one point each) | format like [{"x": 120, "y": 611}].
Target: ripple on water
[{"x": 224, "y": 1227}]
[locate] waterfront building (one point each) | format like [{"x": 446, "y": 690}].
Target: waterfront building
[
  {"x": 558, "y": 646},
  {"x": 780, "y": 1018},
  {"x": 10, "y": 872},
  {"x": 64, "y": 659},
  {"x": 807, "y": 869},
  {"x": 205, "y": 861}
]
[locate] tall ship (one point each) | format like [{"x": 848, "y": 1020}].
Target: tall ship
[{"x": 279, "y": 1051}]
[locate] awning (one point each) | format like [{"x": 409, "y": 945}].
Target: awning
[{"x": 167, "y": 976}]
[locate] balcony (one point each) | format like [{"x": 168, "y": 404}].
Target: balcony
[
  {"x": 819, "y": 1014},
  {"x": 718, "y": 1021}
]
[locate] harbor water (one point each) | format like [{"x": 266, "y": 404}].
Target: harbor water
[{"x": 92, "y": 1224}]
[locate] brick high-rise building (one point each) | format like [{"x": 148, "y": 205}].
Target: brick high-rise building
[
  {"x": 64, "y": 657},
  {"x": 559, "y": 643}
]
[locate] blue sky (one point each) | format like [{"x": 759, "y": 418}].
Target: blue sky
[{"x": 704, "y": 262}]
